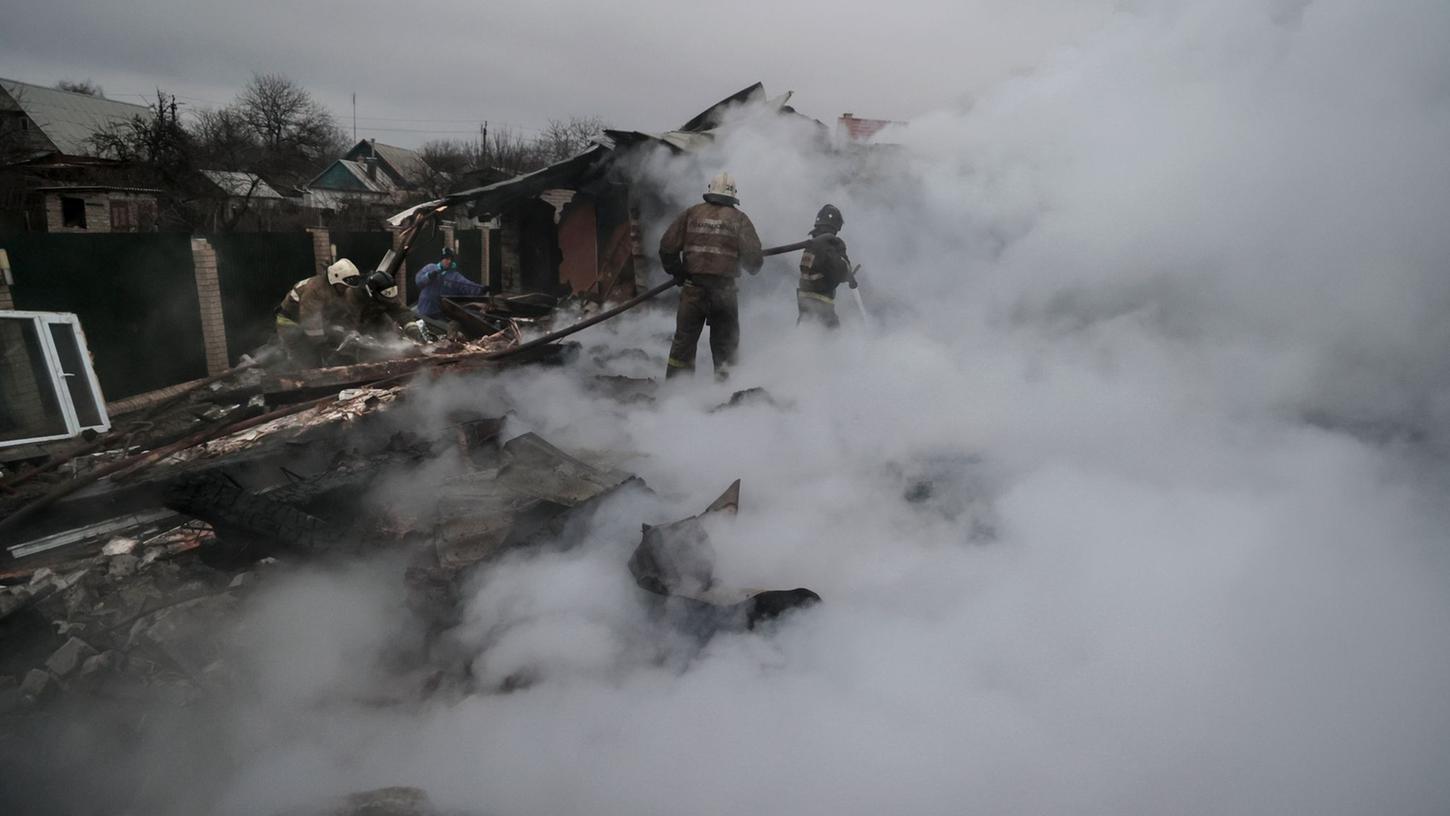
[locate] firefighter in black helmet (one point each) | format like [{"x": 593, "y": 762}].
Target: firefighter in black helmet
[{"x": 824, "y": 266}]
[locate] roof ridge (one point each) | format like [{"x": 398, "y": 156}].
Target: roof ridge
[{"x": 53, "y": 89}]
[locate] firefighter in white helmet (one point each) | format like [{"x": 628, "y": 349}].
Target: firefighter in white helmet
[
  {"x": 705, "y": 249},
  {"x": 316, "y": 314}
]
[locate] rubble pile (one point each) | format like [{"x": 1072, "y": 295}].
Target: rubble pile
[{"x": 125, "y": 589}]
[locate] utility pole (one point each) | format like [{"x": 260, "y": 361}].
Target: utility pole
[
  {"x": 483, "y": 134},
  {"x": 354, "y": 117}
]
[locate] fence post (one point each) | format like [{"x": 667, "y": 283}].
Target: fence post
[
  {"x": 209, "y": 301},
  {"x": 321, "y": 248},
  {"x": 7, "y": 300},
  {"x": 485, "y": 272}
]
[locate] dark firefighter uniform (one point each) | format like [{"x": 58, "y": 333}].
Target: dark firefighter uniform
[
  {"x": 310, "y": 316},
  {"x": 707, "y": 245},
  {"x": 824, "y": 266},
  {"x": 375, "y": 315}
]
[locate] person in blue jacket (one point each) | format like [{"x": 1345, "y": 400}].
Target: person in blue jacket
[{"x": 439, "y": 280}]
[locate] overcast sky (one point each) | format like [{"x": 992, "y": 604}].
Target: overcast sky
[{"x": 438, "y": 68}]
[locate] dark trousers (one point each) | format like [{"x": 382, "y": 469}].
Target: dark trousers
[
  {"x": 302, "y": 351},
  {"x": 816, "y": 308},
  {"x": 713, "y": 304}
]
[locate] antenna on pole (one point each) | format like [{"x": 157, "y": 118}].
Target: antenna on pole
[{"x": 354, "y": 116}]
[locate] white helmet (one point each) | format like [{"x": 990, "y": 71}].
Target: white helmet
[
  {"x": 344, "y": 272},
  {"x": 723, "y": 185}
]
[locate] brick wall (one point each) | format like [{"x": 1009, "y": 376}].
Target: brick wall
[
  {"x": 209, "y": 296},
  {"x": 485, "y": 253},
  {"x": 321, "y": 248},
  {"x": 98, "y": 212}
]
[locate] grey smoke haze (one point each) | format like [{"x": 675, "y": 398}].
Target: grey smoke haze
[
  {"x": 1167, "y": 330},
  {"x": 436, "y": 69}
]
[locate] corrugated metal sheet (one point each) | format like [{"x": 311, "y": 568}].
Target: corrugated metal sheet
[
  {"x": 408, "y": 163},
  {"x": 694, "y": 135},
  {"x": 70, "y": 119},
  {"x": 493, "y": 198},
  {"x": 237, "y": 183}
]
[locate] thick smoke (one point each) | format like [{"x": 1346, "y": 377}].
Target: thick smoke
[{"x": 1130, "y": 498}]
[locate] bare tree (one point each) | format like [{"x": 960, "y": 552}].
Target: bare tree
[
  {"x": 296, "y": 132},
  {"x": 161, "y": 150},
  {"x": 81, "y": 86},
  {"x": 156, "y": 138},
  {"x": 447, "y": 160},
  {"x": 224, "y": 140},
  {"x": 562, "y": 139}
]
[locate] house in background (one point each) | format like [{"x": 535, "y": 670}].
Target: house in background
[
  {"x": 54, "y": 181},
  {"x": 246, "y": 199},
  {"x": 39, "y": 121},
  {"x": 93, "y": 208},
  {"x": 370, "y": 173}
]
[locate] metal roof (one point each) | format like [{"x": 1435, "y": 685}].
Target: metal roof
[
  {"x": 407, "y": 162},
  {"x": 69, "y": 119},
  {"x": 494, "y": 197},
  {"x": 94, "y": 188},
  {"x": 379, "y": 183},
  {"x": 238, "y": 183}
]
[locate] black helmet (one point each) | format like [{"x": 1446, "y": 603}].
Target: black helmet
[
  {"x": 381, "y": 286},
  {"x": 829, "y": 218}
]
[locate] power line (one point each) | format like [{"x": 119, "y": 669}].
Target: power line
[
  {"x": 414, "y": 130},
  {"x": 362, "y": 120}
]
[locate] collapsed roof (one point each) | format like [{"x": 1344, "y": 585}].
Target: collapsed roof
[{"x": 694, "y": 135}]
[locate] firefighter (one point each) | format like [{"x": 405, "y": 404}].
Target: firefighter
[
  {"x": 824, "y": 266},
  {"x": 704, "y": 250},
  {"x": 376, "y": 305},
  {"x": 376, "y": 317},
  {"x": 316, "y": 314}
]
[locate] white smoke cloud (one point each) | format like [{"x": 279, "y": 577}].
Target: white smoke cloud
[{"x": 1133, "y": 501}]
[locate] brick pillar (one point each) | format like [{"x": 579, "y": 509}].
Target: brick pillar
[
  {"x": 209, "y": 298},
  {"x": 7, "y": 300},
  {"x": 448, "y": 240},
  {"x": 321, "y": 248},
  {"x": 483, "y": 263}
]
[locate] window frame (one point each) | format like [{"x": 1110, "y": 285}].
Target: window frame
[
  {"x": 42, "y": 322},
  {"x": 82, "y": 222}
]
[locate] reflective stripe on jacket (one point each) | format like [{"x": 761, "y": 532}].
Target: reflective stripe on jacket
[{"x": 711, "y": 239}]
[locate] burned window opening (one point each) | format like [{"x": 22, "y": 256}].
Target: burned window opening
[{"x": 72, "y": 212}]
